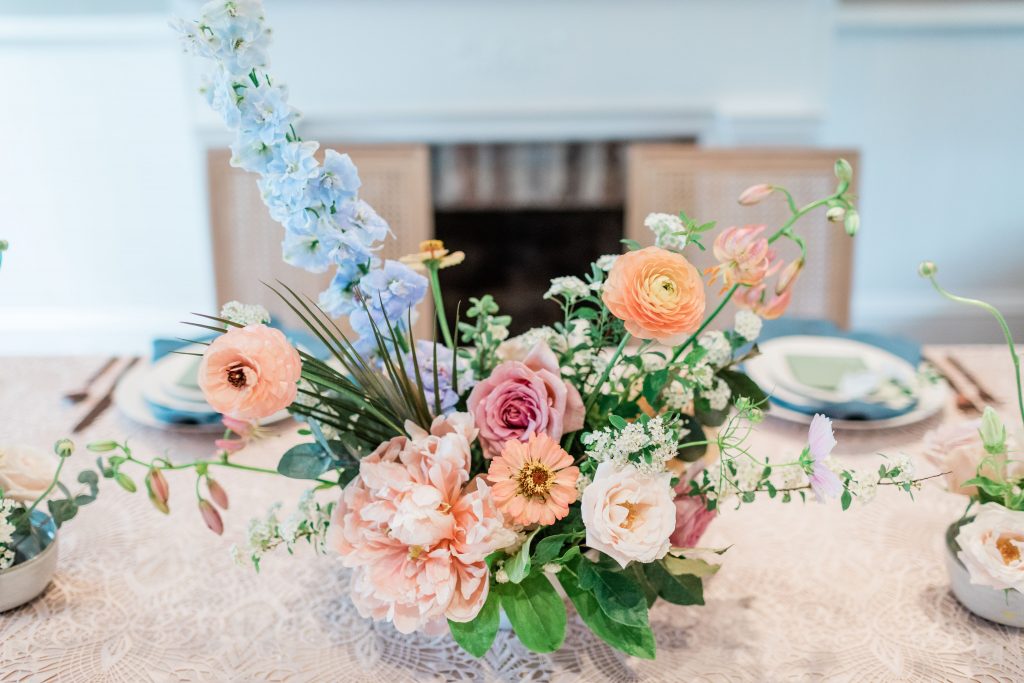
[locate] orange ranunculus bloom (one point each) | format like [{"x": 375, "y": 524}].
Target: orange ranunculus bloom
[{"x": 657, "y": 293}]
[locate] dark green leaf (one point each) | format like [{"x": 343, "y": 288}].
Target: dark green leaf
[
  {"x": 535, "y": 611},
  {"x": 846, "y": 499},
  {"x": 618, "y": 595},
  {"x": 653, "y": 384},
  {"x": 548, "y": 548},
  {"x": 707, "y": 416},
  {"x": 477, "y": 636},
  {"x": 696, "y": 433},
  {"x": 682, "y": 589},
  {"x": 741, "y": 385},
  {"x": 62, "y": 510},
  {"x": 635, "y": 641},
  {"x": 305, "y": 461}
]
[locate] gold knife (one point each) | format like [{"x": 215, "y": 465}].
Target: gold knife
[{"x": 101, "y": 405}]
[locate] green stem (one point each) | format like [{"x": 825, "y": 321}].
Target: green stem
[
  {"x": 219, "y": 463},
  {"x": 1002, "y": 323},
  {"x": 597, "y": 389},
  {"x": 48, "y": 491},
  {"x": 435, "y": 287}
]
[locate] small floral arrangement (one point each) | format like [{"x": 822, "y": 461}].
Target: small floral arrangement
[
  {"x": 982, "y": 462},
  {"x": 482, "y": 474},
  {"x": 28, "y": 477}
]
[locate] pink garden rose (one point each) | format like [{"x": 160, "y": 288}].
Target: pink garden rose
[
  {"x": 417, "y": 530},
  {"x": 250, "y": 372},
  {"x": 524, "y": 398},
  {"x": 692, "y": 519}
]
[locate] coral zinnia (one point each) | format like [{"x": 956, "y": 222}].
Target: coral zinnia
[{"x": 533, "y": 482}]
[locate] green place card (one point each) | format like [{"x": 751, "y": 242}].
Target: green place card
[{"x": 823, "y": 372}]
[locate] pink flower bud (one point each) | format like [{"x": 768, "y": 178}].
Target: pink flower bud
[
  {"x": 158, "y": 487},
  {"x": 230, "y": 445},
  {"x": 243, "y": 428},
  {"x": 755, "y": 194},
  {"x": 211, "y": 517},
  {"x": 788, "y": 276},
  {"x": 217, "y": 493}
]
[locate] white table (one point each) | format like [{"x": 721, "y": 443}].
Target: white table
[{"x": 807, "y": 592}]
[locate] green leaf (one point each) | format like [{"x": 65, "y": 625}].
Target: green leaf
[
  {"x": 477, "y": 636},
  {"x": 632, "y": 245},
  {"x": 618, "y": 595},
  {"x": 62, "y": 510},
  {"x": 696, "y": 433},
  {"x": 741, "y": 385},
  {"x": 685, "y": 565},
  {"x": 548, "y": 548},
  {"x": 653, "y": 384},
  {"x": 518, "y": 566},
  {"x": 305, "y": 461},
  {"x": 535, "y": 611},
  {"x": 682, "y": 589},
  {"x": 703, "y": 412},
  {"x": 846, "y": 499},
  {"x": 617, "y": 422},
  {"x": 635, "y": 641},
  {"x": 636, "y": 572}
]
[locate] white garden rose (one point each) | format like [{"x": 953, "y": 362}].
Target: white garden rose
[
  {"x": 25, "y": 472},
  {"x": 957, "y": 448},
  {"x": 992, "y": 548},
  {"x": 629, "y": 516}
]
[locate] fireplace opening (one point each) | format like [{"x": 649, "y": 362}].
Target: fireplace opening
[{"x": 514, "y": 254}]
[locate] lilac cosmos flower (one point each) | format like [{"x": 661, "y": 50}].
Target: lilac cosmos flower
[{"x": 820, "y": 441}]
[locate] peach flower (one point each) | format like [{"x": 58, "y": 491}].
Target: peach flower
[
  {"x": 25, "y": 472},
  {"x": 250, "y": 372},
  {"x": 744, "y": 257},
  {"x": 958, "y": 449},
  {"x": 417, "y": 530},
  {"x": 771, "y": 305},
  {"x": 520, "y": 399},
  {"x": 657, "y": 293},
  {"x": 629, "y": 516},
  {"x": 534, "y": 482}
]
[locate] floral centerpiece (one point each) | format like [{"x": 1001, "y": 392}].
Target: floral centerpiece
[
  {"x": 982, "y": 463},
  {"x": 481, "y": 474}
]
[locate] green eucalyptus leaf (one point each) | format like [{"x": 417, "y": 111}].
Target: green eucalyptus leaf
[
  {"x": 62, "y": 510},
  {"x": 305, "y": 461},
  {"x": 477, "y": 636},
  {"x": 535, "y": 611}
]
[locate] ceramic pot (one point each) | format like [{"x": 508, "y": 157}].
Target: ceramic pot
[
  {"x": 1002, "y": 607},
  {"x": 24, "y": 581}
]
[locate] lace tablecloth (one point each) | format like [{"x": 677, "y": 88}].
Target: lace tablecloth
[{"x": 807, "y": 592}]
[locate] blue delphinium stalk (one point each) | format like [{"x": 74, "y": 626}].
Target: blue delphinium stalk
[{"x": 326, "y": 224}]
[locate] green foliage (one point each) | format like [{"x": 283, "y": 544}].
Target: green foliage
[
  {"x": 679, "y": 589},
  {"x": 518, "y": 566},
  {"x": 535, "y": 611},
  {"x": 618, "y": 595},
  {"x": 741, "y": 385},
  {"x": 484, "y": 334},
  {"x": 477, "y": 636},
  {"x": 695, "y": 434},
  {"x": 305, "y": 461}
]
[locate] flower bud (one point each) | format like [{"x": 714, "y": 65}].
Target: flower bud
[
  {"x": 788, "y": 276},
  {"x": 101, "y": 446},
  {"x": 211, "y": 517},
  {"x": 927, "y": 269},
  {"x": 843, "y": 170},
  {"x": 836, "y": 214},
  {"x": 755, "y": 194},
  {"x": 125, "y": 482},
  {"x": 852, "y": 222},
  {"x": 158, "y": 486},
  {"x": 217, "y": 493},
  {"x": 993, "y": 432},
  {"x": 64, "y": 448}
]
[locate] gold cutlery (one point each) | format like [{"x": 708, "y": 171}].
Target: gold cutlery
[
  {"x": 79, "y": 395},
  {"x": 101, "y": 405},
  {"x": 965, "y": 402},
  {"x": 983, "y": 393}
]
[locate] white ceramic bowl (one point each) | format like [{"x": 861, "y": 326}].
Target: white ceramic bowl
[
  {"x": 1002, "y": 607},
  {"x": 25, "y": 581}
]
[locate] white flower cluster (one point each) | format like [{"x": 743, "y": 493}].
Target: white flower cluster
[
  {"x": 747, "y": 325},
  {"x": 719, "y": 350},
  {"x": 789, "y": 477},
  {"x": 669, "y": 231},
  {"x": 309, "y": 522},
  {"x": 244, "y": 314},
  {"x": 568, "y": 287},
  {"x": 718, "y": 396},
  {"x": 647, "y": 445},
  {"x": 606, "y": 262},
  {"x": 863, "y": 486},
  {"x": 905, "y": 465},
  {"x": 6, "y": 533}
]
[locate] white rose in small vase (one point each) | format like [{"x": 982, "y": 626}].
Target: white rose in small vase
[
  {"x": 992, "y": 548},
  {"x": 629, "y": 515},
  {"x": 25, "y": 472}
]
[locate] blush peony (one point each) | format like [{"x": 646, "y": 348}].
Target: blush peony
[
  {"x": 657, "y": 293},
  {"x": 520, "y": 399},
  {"x": 629, "y": 516},
  {"x": 250, "y": 372},
  {"x": 992, "y": 548},
  {"x": 417, "y": 530}
]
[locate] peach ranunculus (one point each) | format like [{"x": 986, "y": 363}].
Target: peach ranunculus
[
  {"x": 250, "y": 372},
  {"x": 534, "y": 482},
  {"x": 25, "y": 472},
  {"x": 417, "y": 531},
  {"x": 744, "y": 257},
  {"x": 657, "y": 293},
  {"x": 629, "y": 516},
  {"x": 522, "y": 398}
]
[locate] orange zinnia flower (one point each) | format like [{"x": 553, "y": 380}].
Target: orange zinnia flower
[{"x": 533, "y": 482}]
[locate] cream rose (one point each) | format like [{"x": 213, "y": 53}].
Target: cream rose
[
  {"x": 957, "y": 448},
  {"x": 628, "y": 515},
  {"x": 25, "y": 472},
  {"x": 992, "y": 548}
]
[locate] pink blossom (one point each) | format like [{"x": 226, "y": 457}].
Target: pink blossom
[
  {"x": 755, "y": 194},
  {"x": 820, "y": 441},
  {"x": 417, "y": 530},
  {"x": 744, "y": 257},
  {"x": 524, "y": 398}
]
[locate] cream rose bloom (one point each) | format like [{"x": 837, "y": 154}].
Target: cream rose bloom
[
  {"x": 25, "y": 472},
  {"x": 629, "y": 516},
  {"x": 992, "y": 548},
  {"x": 957, "y": 448}
]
